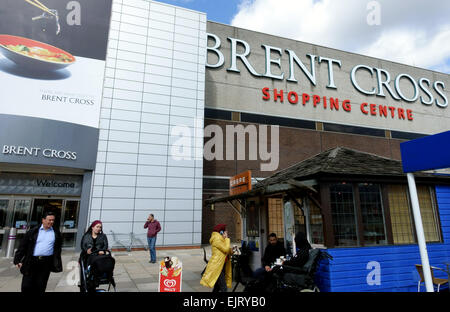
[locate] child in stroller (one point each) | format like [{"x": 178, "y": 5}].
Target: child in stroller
[{"x": 96, "y": 262}]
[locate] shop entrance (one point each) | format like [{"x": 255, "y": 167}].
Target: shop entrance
[{"x": 23, "y": 213}]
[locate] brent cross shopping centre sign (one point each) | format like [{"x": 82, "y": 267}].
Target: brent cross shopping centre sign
[{"x": 401, "y": 87}]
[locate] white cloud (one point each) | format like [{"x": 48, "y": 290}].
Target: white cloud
[{"x": 412, "y": 32}]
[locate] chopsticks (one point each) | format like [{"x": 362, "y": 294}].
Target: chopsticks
[{"x": 40, "y": 6}]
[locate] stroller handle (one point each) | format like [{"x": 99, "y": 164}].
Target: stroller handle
[{"x": 97, "y": 251}]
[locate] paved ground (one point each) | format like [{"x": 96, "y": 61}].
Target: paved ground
[{"x": 132, "y": 273}]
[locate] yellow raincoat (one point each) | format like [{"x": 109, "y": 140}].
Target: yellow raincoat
[{"x": 220, "y": 250}]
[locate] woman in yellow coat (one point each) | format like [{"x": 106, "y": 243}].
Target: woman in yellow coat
[{"x": 218, "y": 271}]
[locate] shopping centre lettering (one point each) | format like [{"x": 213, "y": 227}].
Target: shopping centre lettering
[
  {"x": 36, "y": 151},
  {"x": 382, "y": 76},
  {"x": 333, "y": 104}
]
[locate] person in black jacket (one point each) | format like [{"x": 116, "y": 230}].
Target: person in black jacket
[
  {"x": 94, "y": 241},
  {"x": 302, "y": 255},
  {"x": 274, "y": 250},
  {"x": 39, "y": 253},
  {"x": 302, "y": 247}
]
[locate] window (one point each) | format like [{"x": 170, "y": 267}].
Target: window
[
  {"x": 428, "y": 213},
  {"x": 315, "y": 223},
  {"x": 358, "y": 215},
  {"x": 252, "y": 220},
  {"x": 299, "y": 218},
  {"x": 372, "y": 214},
  {"x": 403, "y": 228},
  {"x": 401, "y": 217},
  {"x": 276, "y": 217},
  {"x": 343, "y": 215}
]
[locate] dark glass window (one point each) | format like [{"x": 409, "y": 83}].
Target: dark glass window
[
  {"x": 273, "y": 120},
  {"x": 406, "y": 135},
  {"x": 346, "y": 221},
  {"x": 316, "y": 223},
  {"x": 372, "y": 214},
  {"x": 343, "y": 215},
  {"x": 217, "y": 114},
  {"x": 353, "y": 129}
]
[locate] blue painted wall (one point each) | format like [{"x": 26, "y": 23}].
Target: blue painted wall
[{"x": 348, "y": 272}]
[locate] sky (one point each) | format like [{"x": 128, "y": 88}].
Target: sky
[{"x": 412, "y": 32}]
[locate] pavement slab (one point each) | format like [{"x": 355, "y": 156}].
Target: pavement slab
[{"x": 132, "y": 273}]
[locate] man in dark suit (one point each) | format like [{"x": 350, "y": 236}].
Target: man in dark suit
[{"x": 39, "y": 254}]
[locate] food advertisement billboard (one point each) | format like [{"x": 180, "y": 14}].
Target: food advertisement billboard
[{"x": 52, "y": 58}]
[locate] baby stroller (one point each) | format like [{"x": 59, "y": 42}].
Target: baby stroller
[
  {"x": 300, "y": 279},
  {"x": 242, "y": 272},
  {"x": 98, "y": 272}
]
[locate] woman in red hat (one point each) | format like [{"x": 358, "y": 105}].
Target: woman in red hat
[
  {"x": 218, "y": 271},
  {"x": 94, "y": 240}
]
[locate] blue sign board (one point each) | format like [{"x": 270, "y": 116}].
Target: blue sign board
[{"x": 432, "y": 152}]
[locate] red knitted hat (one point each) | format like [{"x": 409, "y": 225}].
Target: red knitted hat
[
  {"x": 219, "y": 227},
  {"x": 95, "y": 223}
]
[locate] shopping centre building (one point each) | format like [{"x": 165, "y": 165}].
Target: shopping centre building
[{"x": 156, "y": 108}]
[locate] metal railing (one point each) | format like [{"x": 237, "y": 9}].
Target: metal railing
[{"x": 132, "y": 239}]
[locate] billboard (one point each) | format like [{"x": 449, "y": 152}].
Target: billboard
[{"x": 52, "y": 58}]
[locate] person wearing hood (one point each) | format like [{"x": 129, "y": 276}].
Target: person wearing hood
[
  {"x": 302, "y": 255},
  {"x": 218, "y": 271}
]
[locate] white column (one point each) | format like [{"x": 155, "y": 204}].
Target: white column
[{"x": 420, "y": 233}]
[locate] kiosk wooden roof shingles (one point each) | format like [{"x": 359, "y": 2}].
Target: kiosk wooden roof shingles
[{"x": 336, "y": 162}]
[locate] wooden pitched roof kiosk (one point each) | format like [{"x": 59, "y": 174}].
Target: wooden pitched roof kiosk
[{"x": 312, "y": 177}]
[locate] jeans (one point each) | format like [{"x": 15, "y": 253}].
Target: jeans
[{"x": 151, "y": 246}]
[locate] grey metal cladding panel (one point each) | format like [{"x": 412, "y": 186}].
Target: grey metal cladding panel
[{"x": 48, "y": 134}]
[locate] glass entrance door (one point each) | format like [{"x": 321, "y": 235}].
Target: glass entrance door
[
  {"x": 20, "y": 218},
  {"x": 3, "y": 211},
  {"x": 25, "y": 213},
  {"x": 21, "y": 213},
  {"x": 66, "y": 216},
  {"x": 42, "y": 205},
  {"x": 69, "y": 223}
]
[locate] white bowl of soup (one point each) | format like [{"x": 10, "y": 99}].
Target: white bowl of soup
[{"x": 34, "y": 55}]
